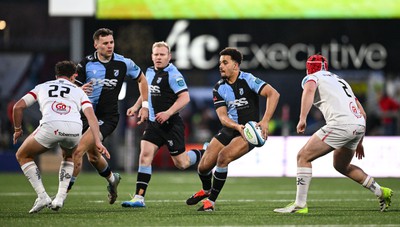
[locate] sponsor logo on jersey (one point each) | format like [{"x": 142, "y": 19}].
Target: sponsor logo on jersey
[
  {"x": 170, "y": 143},
  {"x": 105, "y": 83},
  {"x": 354, "y": 110},
  {"x": 60, "y": 108},
  {"x": 101, "y": 122},
  {"x": 154, "y": 90},
  {"x": 238, "y": 102}
]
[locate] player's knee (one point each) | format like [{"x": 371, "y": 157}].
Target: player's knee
[
  {"x": 223, "y": 159},
  {"x": 181, "y": 164},
  {"x": 302, "y": 158},
  {"x": 340, "y": 168},
  {"x": 201, "y": 169},
  {"x": 20, "y": 156}
]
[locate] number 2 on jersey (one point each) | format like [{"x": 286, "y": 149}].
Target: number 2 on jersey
[{"x": 344, "y": 88}]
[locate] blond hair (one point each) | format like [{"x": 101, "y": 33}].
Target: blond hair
[{"x": 161, "y": 44}]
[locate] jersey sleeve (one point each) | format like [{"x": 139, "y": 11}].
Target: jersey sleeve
[
  {"x": 307, "y": 79},
  {"x": 132, "y": 70},
  {"x": 177, "y": 83},
  {"x": 255, "y": 83},
  {"x": 217, "y": 98},
  {"x": 32, "y": 96},
  {"x": 85, "y": 102}
]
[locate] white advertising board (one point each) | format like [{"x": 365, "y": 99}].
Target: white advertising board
[{"x": 278, "y": 158}]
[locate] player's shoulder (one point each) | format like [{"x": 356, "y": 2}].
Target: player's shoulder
[
  {"x": 220, "y": 83},
  {"x": 245, "y": 75},
  {"x": 173, "y": 70},
  {"x": 249, "y": 77},
  {"x": 119, "y": 57},
  {"x": 122, "y": 58},
  {"x": 90, "y": 57}
]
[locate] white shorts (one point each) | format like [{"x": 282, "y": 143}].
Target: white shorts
[
  {"x": 338, "y": 136},
  {"x": 65, "y": 133}
]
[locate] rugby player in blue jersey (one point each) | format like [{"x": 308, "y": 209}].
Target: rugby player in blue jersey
[
  {"x": 168, "y": 94},
  {"x": 236, "y": 100},
  {"x": 101, "y": 76}
]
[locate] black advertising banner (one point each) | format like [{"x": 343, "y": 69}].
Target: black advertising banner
[{"x": 266, "y": 44}]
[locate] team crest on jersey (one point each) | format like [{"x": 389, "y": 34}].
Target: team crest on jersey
[
  {"x": 60, "y": 108},
  {"x": 116, "y": 72},
  {"x": 241, "y": 91},
  {"x": 159, "y": 80}
]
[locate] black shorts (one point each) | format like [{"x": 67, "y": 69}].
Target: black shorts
[
  {"x": 106, "y": 124},
  {"x": 226, "y": 135},
  {"x": 171, "y": 133}
]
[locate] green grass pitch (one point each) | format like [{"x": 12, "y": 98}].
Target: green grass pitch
[{"x": 242, "y": 202}]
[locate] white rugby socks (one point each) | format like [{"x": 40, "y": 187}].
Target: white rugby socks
[{"x": 303, "y": 180}]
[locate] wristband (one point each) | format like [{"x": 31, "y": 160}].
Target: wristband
[
  {"x": 145, "y": 104},
  {"x": 18, "y": 128}
]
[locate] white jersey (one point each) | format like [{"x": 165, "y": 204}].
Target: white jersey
[
  {"x": 335, "y": 99},
  {"x": 59, "y": 100}
]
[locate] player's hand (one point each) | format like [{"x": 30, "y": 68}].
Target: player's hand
[
  {"x": 88, "y": 88},
  {"x": 16, "y": 135},
  {"x": 360, "y": 151},
  {"x": 162, "y": 117},
  {"x": 102, "y": 150},
  {"x": 301, "y": 126},
  {"x": 264, "y": 125},
  {"x": 143, "y": 115},
  {"x": 131, "y": 111},
  {"x": 240, "y": 128}
]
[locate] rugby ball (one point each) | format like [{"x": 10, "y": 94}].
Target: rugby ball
[{"x": 253, "y": 134}]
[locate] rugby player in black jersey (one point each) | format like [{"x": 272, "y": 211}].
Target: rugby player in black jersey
[
  {"x": 168, "y": 94},
  {"x": 236, "y": 100},
  {"x": 101, "y": 76}
]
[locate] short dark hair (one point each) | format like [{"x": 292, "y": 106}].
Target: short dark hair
[
  {"x": 102, "y": 32},
  {"x": 235, "y": 54},
  {"x": 65, "y": 68}
]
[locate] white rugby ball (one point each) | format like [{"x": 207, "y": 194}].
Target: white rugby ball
[{"x": 253, "y": 134}]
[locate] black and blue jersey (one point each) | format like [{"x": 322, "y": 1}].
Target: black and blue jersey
[
  {"x": 164, "y": 87},
  {"x": 107, "y": 80},
  {"x": 240, "y": 98}
]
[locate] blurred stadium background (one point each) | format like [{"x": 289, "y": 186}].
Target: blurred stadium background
[{"x": 360, "y": 39}]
